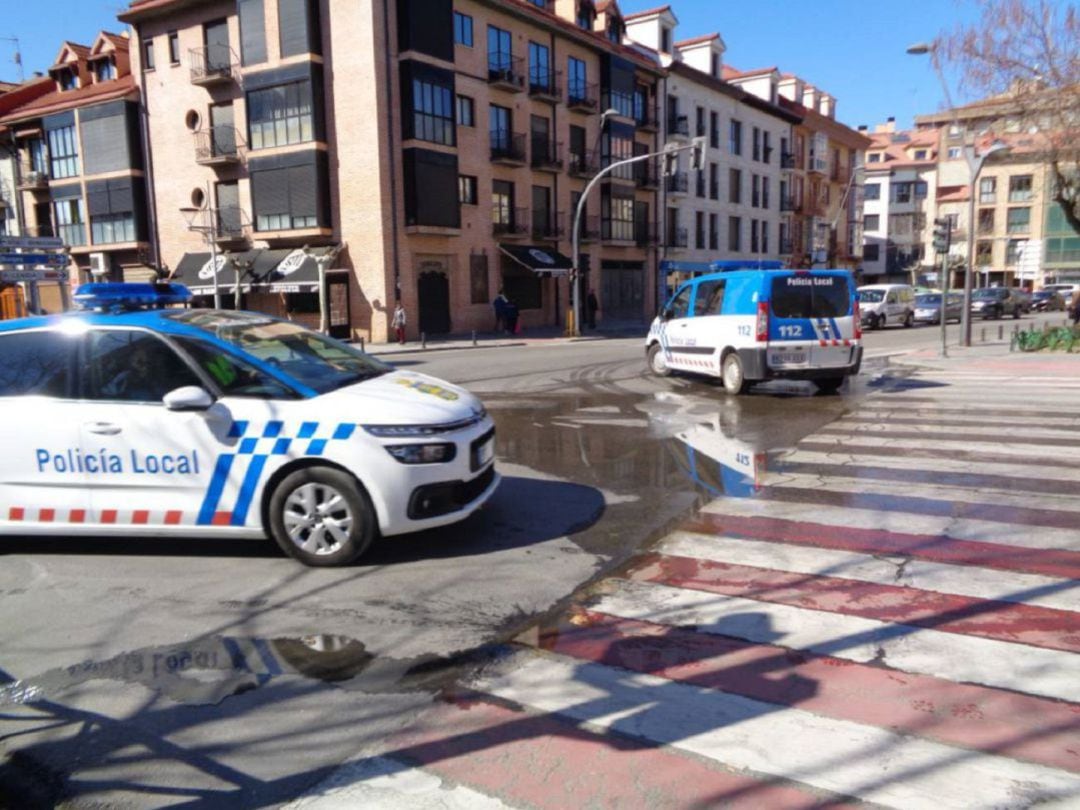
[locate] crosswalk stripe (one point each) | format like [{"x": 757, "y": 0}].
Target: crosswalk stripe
[
  {"x": 989, "y": 720},
  {"x": 978, "y": 583},
  {"x": 848, "y": 758},
  {"x": 1032, "y": 625},
  {"x": 930, "y": 450},
  {"x": 999, "y": 664},
  {"x": 946, "y": 437},
  {"x": 1063, "y": 435},
  {"x": 956, "y": 417}
]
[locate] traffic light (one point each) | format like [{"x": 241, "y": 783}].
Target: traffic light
[
  {"x": 671, "y": 159},
  {"x": 942, "y": 234},
  {"x": 697, "y": 155}
]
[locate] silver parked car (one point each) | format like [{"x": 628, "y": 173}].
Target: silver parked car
[{"x": 928, "y": 307}]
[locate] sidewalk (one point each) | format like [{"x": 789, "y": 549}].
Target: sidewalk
[
  {"x": 534, "y": 336},
  {"x": 994, "y": 359}
]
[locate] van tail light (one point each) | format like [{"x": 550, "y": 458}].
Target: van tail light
[
  {"x": 762, "y": 329},
  {"x": 857, "y": 320}
]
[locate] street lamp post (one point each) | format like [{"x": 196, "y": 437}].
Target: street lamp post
[
  {"x": 209, "y": 232},
  {"x": 974, "y": 164}
]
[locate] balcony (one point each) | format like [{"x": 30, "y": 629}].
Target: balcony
[
  {"x": 678, "y": 126},
  {"x": 546, "y": 227},
  {"x": 212, "y": 64},
  {"x": 506, "y": 72},
  {"x": 645, "y": 235},
  {"x": 583, "y": 98},
  {"x": 231, "y": 224},
  {"x": 217, "y": 146},
  {"x": 646, "y": 175},
  {"x": 676, "y": 237},
  {"x": 32, "y": 180},
  {"x": 514, "y": 223},
  {"x": 787, "y": 160},
  {"x": 508, "y": 148},
  {"x": 819, "y": 165},
  {"x": 545, "y": 86},
  {"x": 546, "y": 155},
  {"x": 588, "y": 230},
  {"x": 583, "y": 164},
  {"x": 677, "y": 183},
  {"x": 647, "y": 120},
  {"x": 840, "y": 174}
]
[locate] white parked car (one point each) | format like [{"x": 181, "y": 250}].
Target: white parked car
[{"x": 884, "y": 304}]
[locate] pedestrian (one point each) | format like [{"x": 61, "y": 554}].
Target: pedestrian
[
  {"x": 399, "y": 322},
  {"x": 1074, "y": 307},
  {"x": 511, "y": 318},
  {"x": 591, "y": 305},
  {"x": 499, "y": 305}
]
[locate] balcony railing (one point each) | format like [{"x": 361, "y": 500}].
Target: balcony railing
[
  {"x": 678, "y": 125},
  {"x": 582, "y": 97},
  {"x": 508, "y": 148},
  {"x": 506, "y": 72},
  {"x": 548, "y": 228},
  {"x": 646, "y": 120},
  {"x": 645, "y": 235},
  {"x": 546, "y": 155},
  {"x": 230, "y": 224},
  {"x": 217, "y": 146},
  {"x": 840, "y": 174},
  {"x": 787, "y": 160},
  {"x": 514, "y": 225},
  {"x": 676, "y": 237},
  {"x": 31, "y": 179},
  {"x": 545, "y": 85},
  {"x": 588, "y": 230},
  {"x": 788, "y": 203},
  {"x": 677, "y": 183},
  {"x": 212, "y": 64},
  {"x": 583, "y": 164},
  {"x": 646, "y": 174}
]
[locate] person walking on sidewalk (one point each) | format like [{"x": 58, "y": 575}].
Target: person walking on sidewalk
[
  {"x": 591, "y": 305},
  {"x": 399, "y": 322},
  {"x": 511, "y": 318},
  {"x": 1074, "y": 308},
  {"x": 500, "y": 304}
]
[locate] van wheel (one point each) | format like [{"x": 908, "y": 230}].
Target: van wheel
[
  {"x": 322, "y": 517},
  {"x": 879, "y": 322},
  {"x": 657, "y": 362},
  {"x": 731, "y": 372},
  {"x": 909, "y": 320},
  {"x": 829, "y": 385}
]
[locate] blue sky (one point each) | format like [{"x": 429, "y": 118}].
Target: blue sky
[{"x": 854, "y": 50}]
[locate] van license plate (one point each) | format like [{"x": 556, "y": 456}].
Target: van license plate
[{"x": 787, "y": 358}]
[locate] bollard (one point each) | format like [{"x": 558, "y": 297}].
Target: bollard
[
  {"x": 423, "y": 340},
  {"x": 361, "y": 343},
  {"x": 1001, "y": 331},
  {"x": 1016, "y": 329},
  {"x": 982, "y": 335},
  {"x": 473, "y": 337}
]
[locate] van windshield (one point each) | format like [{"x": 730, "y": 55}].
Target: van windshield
[
  {"x": 806, "y": 296},
  {"x": 871, "y": 296}
]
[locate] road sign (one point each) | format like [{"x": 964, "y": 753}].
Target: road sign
[
  {"x": 50, "y": 259},
  {"x": 32, "y": 242},
  {"x": 13, "y": 276}
]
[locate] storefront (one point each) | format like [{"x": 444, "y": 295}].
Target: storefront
[{"x": 530, "y": 281}]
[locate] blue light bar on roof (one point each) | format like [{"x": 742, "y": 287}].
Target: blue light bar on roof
[
  {"x": 128, "y": 295},
  {"x": 746, "y": 264}
]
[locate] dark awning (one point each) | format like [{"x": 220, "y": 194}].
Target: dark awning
[
  {"x": 195, "y": 272},
  {"x": 542, "y": 261},
  {"x": 286, "y": 271}
]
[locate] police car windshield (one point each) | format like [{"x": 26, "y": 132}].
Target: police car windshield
[{"x": 318, "y": 362}]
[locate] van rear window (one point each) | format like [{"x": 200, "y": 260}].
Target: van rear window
[{"x": 810, "y": 297}]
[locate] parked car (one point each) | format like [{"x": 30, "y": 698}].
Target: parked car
[
  {"x": 995, "y": 302},
  {"x": 1024, "y": 299},
  {"x": 1065, "y": 289},
  {"x": 882, "y": 304},
  {"x": 928, "y": 307},
  {"x": 1048, "y": 301}
]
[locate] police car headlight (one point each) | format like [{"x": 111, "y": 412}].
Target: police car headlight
[{"x": 422, "y": 453}]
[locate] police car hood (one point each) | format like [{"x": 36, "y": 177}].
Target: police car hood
[{"x": 404, "y": 397}]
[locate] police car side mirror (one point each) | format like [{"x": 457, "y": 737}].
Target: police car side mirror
[
  {"x": 188, "y": 398},
  {"x": 665, "y": 314}
]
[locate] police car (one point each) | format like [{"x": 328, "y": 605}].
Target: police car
[
  {"x": 133, "y": 418},
  {"x": 746, "y": 325}
]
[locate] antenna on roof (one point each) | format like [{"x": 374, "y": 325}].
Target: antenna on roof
[{"x": 17, "y": 58}]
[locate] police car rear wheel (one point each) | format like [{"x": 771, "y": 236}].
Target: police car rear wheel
[
  {"x": 321, "y": 517},
  {"x": 657, "y": 362},
  {"x": 731, "y": 372}
]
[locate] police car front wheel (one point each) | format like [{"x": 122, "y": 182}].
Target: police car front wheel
[
  {"x": 321, "y": 517},
  {"x": 657, "y": 362}
]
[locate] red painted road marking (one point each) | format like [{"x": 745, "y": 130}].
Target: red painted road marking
[
  {"x": 996, "y": 721},
  {"x": 140, "y": 516},
  {"x": 931, "y": 548},
  {"x": 108, "y": 516},
  {"x": 540, "y": 761},
  {"x": 16, "y": 513},
  {"x": 172, "y": 517},
  {"x": 1038, "y": 626},
  {"x": 77, "y": 515},
  {"x": 46, "y": 515}
]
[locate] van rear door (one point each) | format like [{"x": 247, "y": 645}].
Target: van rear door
[{"x": 811, "y": 322}]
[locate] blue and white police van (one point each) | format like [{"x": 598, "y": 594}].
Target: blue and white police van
[
  {"x": 747, "y": 325},
  {"x": 134, "y": 418}
]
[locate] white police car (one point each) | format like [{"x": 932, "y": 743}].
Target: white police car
[{"x": 128, "y": 418}]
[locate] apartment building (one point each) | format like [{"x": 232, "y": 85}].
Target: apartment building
[
  {"x": 79, "y": 171},
  {"x": 424, "y": 150},
  {"x": 900, "y": 202}
]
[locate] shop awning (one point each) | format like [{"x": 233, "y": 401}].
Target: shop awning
[
  {"x": 196, "y": 272},
  {"x": 275, "y": 271},
  {"x": 288, "y": 271},
  {"x": 541, "y": 261}
]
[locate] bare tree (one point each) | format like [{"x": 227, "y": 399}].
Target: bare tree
[{"x": 1023, "y": 58}]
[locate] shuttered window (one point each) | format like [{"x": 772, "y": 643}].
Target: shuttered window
[
  {"x": 105, "y": 141},
  {"x": 111, "y": 205},
  {"x": 289, "y": 194},
  {"x": 252, "y": 31},
  {"x": 298, "y": 25}
]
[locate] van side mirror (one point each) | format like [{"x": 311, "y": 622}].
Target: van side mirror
[{"x": 188, "y": 398}]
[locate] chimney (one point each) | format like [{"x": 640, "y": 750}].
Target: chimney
[
  {"x": 863, "y": 127},
  {"x": 890, "y": 124}
]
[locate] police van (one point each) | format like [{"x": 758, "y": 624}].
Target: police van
[
  {"x": 133, "y": 418},
  {"x": 749, "y": 325}
]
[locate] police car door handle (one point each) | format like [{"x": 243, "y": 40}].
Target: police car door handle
[{"x": 104, "y": 428}]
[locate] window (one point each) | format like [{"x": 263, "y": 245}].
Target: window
[
  {"x": 871, "y": 253},
  {"x": 540, "y": 73},
  {"x": 577, "y": 82},
  {"x": 984, "y": 252},
  {"x": 699, "y": 230},
  {"x": 954, "y": 153},
  {"x": 463, "y": 34},
  {"x": 766, "y": 148},
  {"x": 133, "y": 366},
  {"x": 735, "y": 138},
  {"x": 734, "y": 227},
  {"x": 499, "y": 127},
  {"x": 680, "y": 305},
  {"x": 988, "y": 190},
  {"x": 764, "y": 192},
  {"x": 618, "y": 144},
  {"x": 502, "y": 203},
  {"x": 734, "y": 185},
  {"x": 700, "y": 122},
  {"x": 665, "y": 39},
  {"x": 280, "y": 115},
  {"x": 70, "y": 221},
  {"x": 107, "y": 229},
  {"x": 500, "y": 53},
  {"x": 617, "y": 212},
  {"x": 1020, "y": 188},
  {"x": 148, "y": 54},
  {"x": 714, "y": 181},
  {"x": 433, "y": 112},
  {"x": 466, "y": 112},
  {"x": 232, "y": 375},
  {"x": 36, "y": 364},
  {"x": 714, "y": 66},
  {"x": 585, "y": 14},
  {"x": 709, "y": 298},
  {"x": 756, "y": 144},
  {"x": 754, "y": 244},
  {"x": 614, "y": 31},
  {"x": 1013, "y": 250},
  {"x": 104, "y": 70},
  {"x": 1019, "y": 220},
  {"x": 872, "y": 191},
  {"x": 755, "y": 191},
  {"x": 986, "y": 220},
  {"x": 871, "y": 222},
  {"x": 920, "y": 190},
  {"x": 873, "y": 157},
  {"x": 901, "y": 192},
  {"x": 174, "y": 48},
  {"x": 714, "y": 232},
  {"x": 290, "y": 192},
  {"x": 63, "y": 153},
  {"x": 467, "y": 190},
  {"x": 67, "y": 79},
  {"x": 920, "y": 154},
  {"x": 764, "y": 236},
  {"x": 714, "y": 130}
]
